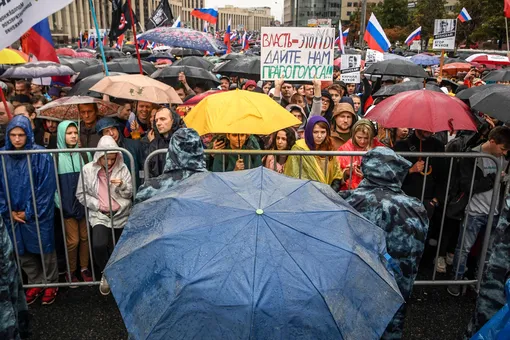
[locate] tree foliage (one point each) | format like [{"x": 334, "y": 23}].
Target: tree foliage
[
  {"x": 488, "y": 21},
  {"x": 425, "y": 13},
  {"x": 392, "y": 13}
]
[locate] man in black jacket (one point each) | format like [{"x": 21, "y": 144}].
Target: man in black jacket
[{"x": 478, "y": 208}]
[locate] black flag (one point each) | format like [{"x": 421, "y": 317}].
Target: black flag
[
  {"x": 162, "y": 16},
  {"x": 121, "y": 19}
]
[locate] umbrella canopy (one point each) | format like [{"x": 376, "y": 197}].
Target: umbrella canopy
[
  {"x": 78, "y": 65},
  {"x": 232, "y": 56},
  {"x": 239, "y": 112},
  {"x": 185, "y": 52},
  {"x": 493, "y": 101},
  {"x": 38, "y": 69},
  {"x": 468, "y": 93},
  {"x": 498, "y": 75},
  {"x": 114, "y": 54},
  {"x": 66, "y": 51},
  {"x": 195, "y": 61},
  {"x": 66, "y": 108},
  {"x": 185, "y": 107},
  {"x": 160, "y": 55},
  {"x": 85, "y": 55},
  {"x": 11, "y": 56},
  {"x": 425, "y": 59},
  {"x": 162, "y": 63},
  {"x": 182, "y": 37},
  {"x": 392, "y": 56},
  {"x": 454, "y": 68},
  {"x": 194, "y": 75},
  {"x": 397, "y": 68},
  {"x": 424, "y": 110},
  {"x": 251, "y": 255},
  {"x": 391, "y": 90},
  {"x": 129, "y": 48},
  {"x": 125, "y": 65},
  {"x": 88, "y": 50},
  {"x": 454, "y": 60},
  {"x": 82, "y": 88},
  {"x": 490, "y": 59},
  {"x": 137, "y": 87},
  {"x": 247, "y": 67}
]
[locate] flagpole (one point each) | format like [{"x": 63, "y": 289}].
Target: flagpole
[
  {"x": 93, "y": 11},
  {"x": 133, "y": 27},
  {"x": 507, "y": 42}
]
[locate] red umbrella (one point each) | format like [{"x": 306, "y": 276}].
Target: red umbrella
[
  {"x": 489, "y": 59},
  {"x": 424, "y": 110},
  {"x": 185, "y": 107},
  {"x": 453, "y": 68},
  {"x": 67, "y": 52},
  {"x": 84, "y": 55}
]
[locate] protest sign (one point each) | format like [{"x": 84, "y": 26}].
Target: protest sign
[
  {"x": 373, "y": 57},
  {"x": 297, "y": 53},
  {"x": 350, "y": 69},
  {"x": 18, "y": 16},
  {"x": 444, "y": 34}
]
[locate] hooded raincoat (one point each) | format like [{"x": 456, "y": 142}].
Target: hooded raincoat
[
  {"x": 18, "y": 181},
  {"x": 250, "y": 161},
  {"x": 121, "y": 194},
  {"x": 14, "y": 316},
  {"x": 312, "y": 168},
  {"x": 380, "y": 199},
  {"x": 185, "y": 157},
  {"x": 69, "y": 166}
]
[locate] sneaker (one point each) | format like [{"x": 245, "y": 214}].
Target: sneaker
[
  {"x": 86, "y": 275},
  {"x": 104, "y": 287},
  {"x": 72, "y": 278},
  {"x": 441, "y": 265},
  {"x": 32, "y": 294},
  {"x": 50, "y": 294},
  {"x": 449, "y": 258},
  {"x": 453, "y": 290}
]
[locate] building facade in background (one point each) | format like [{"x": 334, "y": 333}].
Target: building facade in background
[{"x": 67, "y": 23}]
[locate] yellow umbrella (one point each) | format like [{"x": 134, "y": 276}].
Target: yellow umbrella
[
  {"x": 12, "y": 57},
  {"x": 239, "y": 112}
]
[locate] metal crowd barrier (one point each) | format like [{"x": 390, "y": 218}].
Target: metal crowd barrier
[
  {"x": 426, "y": 156},
  {"x": 54, "y": 153}
]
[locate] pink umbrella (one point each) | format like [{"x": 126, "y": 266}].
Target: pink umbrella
[
  {"x": 67, "y": 52},
  {"x": 489, "y": 59},
  {"x": 84, "y": 55}
]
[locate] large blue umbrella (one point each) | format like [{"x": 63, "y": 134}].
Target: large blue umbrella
[
  {"x": 183, "y": 37},
  {"x": 251, "y": 255},
  {"x": 425, "y": 59}
]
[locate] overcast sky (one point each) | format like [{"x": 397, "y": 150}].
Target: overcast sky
[{"x": 276, "y": 5}]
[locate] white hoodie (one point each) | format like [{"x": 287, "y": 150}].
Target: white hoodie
[{"x": 121, "y": 194}]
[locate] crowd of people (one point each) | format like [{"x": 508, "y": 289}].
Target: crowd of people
[{"x": 97, "y": 188}]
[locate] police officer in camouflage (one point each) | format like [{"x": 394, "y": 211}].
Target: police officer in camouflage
[{"x": 380, "y": 199}]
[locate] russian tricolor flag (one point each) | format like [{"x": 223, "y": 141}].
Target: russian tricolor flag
[
  {"x": 226, "y": 38},
  {"x": 464, "y": 15},
  {"x": 177, "y": 22},
  {"x": 208, "y": 14},
  {"x": 375, "y": 37},
  {"x": 246, "y": 44},
  {"x": 80, "y": 42},
  {"x": 416, "y": 35},
  {"x": 345, "y": 34}
]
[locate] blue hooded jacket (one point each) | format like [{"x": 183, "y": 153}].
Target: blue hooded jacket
[{"x": 18, "y": 182}]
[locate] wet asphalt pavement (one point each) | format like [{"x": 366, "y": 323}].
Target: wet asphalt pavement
[{"x": 84, "y": 314}]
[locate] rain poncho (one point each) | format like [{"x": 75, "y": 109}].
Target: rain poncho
[
  {"x": 14, "y": 316},
  {"x": 380, "y": 199},
  {"x": 69, "y": 166},
  {"x": 121, "y": 194},
  {"x": 18, "y": 181},
  {"x": 311, "y": 167},
  {"x": 185, "y": 156},
  {"x": 492, "y": 297}
]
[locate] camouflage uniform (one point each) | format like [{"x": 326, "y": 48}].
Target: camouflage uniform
[
  {"x": 492, "y": 296},
  {"x": 380, "y": 199},
  {"x": 13, "y": 307},
  {"x": 185, "y": 156}
]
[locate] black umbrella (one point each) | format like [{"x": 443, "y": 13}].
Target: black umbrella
[
  {"x": 194, "y": 76},
  {"x": 129, "y": 48},
  {"x": 114, "y": 54},
  {"x": 195, "y": 62},
  {"x": 38, "y": 69},
  {"x": 88, "y": 50},
  {"x": 392, "y": 90},
  {"x": 78, "y": 64},
  {"x": 126, "y": 65},
  {"x": 498, "y": 75},
  {"x": 468, "y": 93},
  {"x": 232, "y": 56},
  {"x": 493, "y": 101},
  {"x": 82, "y": 87},
  {"x": 397, "y": 68},
  {"x": 160, "y": 55},
  {"x": 143, "y": 54},
  {"x": 185, "y": 52},
  {"x": 247, "y": 67},
  {"x": 105, "y": 48}
]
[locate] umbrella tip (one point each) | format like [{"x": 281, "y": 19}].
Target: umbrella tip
[{"x": 259, "y": 211}]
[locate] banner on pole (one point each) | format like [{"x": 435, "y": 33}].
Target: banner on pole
[
  {"x": 18, "y": 16},
  {"x": 297, "y": 53},
  {"x": 373, "y": 57},
  {"x": 350, "y": 68},
  {"x": 445, "y": 31}
]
